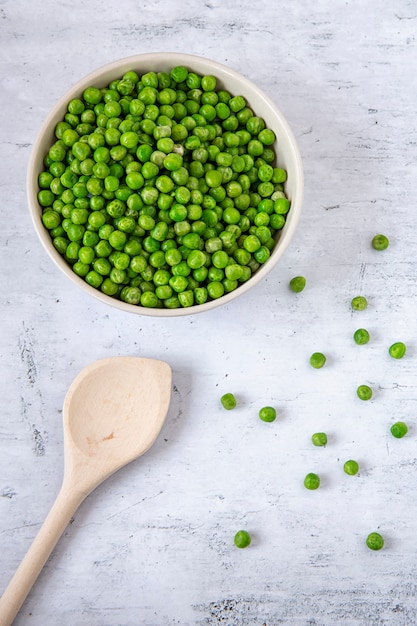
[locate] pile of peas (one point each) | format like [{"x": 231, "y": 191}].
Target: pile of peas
[{"x": 161, "y": 190}]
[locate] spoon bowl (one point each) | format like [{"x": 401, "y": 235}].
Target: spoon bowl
[{"x": 113, "y": 412}]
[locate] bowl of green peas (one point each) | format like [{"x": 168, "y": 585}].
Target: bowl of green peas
[{"x": 165, "y": 184}]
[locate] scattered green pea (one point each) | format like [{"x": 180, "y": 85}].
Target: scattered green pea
[
  {"x": 361, "y": 336},
  {"x": 397, "y": 350},
  {"x": 317, "y": 360},
  {"x": 380, "y": 242},
  {"x": 297, "y": 283},
  {"x": 267, "y": 414},
  {"x": 359, "y": 303},
  {"x": 242, "y": 539},
  {"x": 399, "y": 430},
  {"x": 375, "y": 541},
  {"x": 228, "y": 401},
  {"x": 319, "y": 439},
  {"x": 351, "y": 467},
  {"x": 312, "y": 481},
  {"x": 364, "y": 392}
]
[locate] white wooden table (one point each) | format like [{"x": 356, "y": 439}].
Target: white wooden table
[{"x": 153, "y": 546}]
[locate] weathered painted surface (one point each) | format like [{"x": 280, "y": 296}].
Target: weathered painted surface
[{"x": 153, "y": 546}]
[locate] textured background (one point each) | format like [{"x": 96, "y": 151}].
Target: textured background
[{"x": 153, "y": 546}]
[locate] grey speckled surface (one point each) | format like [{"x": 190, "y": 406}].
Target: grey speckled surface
[{"x": 153, "y": 546}]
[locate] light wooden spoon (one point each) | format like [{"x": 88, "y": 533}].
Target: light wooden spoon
[{"x": 113, "y": 412}]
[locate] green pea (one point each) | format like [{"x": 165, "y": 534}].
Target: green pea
[
  {"x": 242, "y": 539},
  {"x": 351, "y": 467},
  {"x": 319, "y": 439},
  {"x": 380, "y": 242},
  {"x": 361, "y": 336},
  {"x": 267, "y": 137},
  {"x": 267, "y": 414},
  {"x": 90, "y": 238},
  {"x": 297, "y": 284},
  {"x": 359, "y": 303},
  {"x": 228, "y": 401},
  {"x": 262, "y": 254},
  {"x": 94, "y": 279},
  {"x": 229, "y": 285},
  {"x": 215, "y": 289},
  {"x": 76, "y": 106},
  {"x": 51, "y": 219},
  {"x": 279, "y": 175},
  {"x": 45, "y": 179},
  {"x": 186, "y": 298},
  {"x": 220, "y": 259},
  {"x": 399, "y": 430},
  {"x": 182, "y": 268},
  {"x": 375, "y": 541},
  {"x": 92, "y": 95},
  {"x": 103, "y": 248},
  {"x": 178, "y": 283},
  {"x": 117, "y": 239},
  {"x": 179, "y": 74},
  {"x": 86, "y": 255},
  {"x": 81, "y": 150},
  {"x": 277, "y": 221},
  {"x": 60, "y": 244},
  {"x": 317, "y": 360},
  {"x": 46, "y": 198},
  {"x": 251, "y": 243},
  {"x": 200, "y": 295},
  {"x": 397, "y": 350},
  {"x": 81, "y": 269},
  {"x": 149, "y": 299},
  {"x": 281, "y": 206},
  {"x": 131, "y": 295},
  {"x": 129, "y": 140},
  {"x": 102, "y": 266},
  {"x": 196, "y": 259},
  {"x": 191, "y": 240},
  {"x": 364, "y": 392},
  {"x": 173, "y": 257},
  {"x": 72, "y": 250},
  {"x": 109, "y": 287},
  {"x": 138, "y": 264},
  {"x": 75, "y": 232},
  {"x": 234, "y": 271},
  {"x": 312, "y": 481}
]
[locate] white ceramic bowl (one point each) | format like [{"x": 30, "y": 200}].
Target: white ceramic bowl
[{"x": 287, "y": 154}]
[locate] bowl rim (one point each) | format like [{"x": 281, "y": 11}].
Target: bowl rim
[{"x": 178, "y": 58}]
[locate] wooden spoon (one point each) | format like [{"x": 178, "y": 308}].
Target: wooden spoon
[{"x": 113, "y": 412}]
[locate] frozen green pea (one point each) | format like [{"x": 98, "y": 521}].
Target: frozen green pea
[
  {"x": 312, "y": 481},
  {"x": 228, "y": 401},
  {"x": 297, "y": 283},
  {"x": 397, "y": 350},
  {"x": 319, "y": 439},
  {"x": 380, "y": 242},
  {"x": 399, "y": 430},
  {"x": 317, "y": 360},
  {"x": 351, "y": 467},
  {"x": 364, "y": 392},
  {"x": 361, "y": 336},
  {"x": 375, "y": 541},
  {"x": 267, "y": 414},
  {"x": 359, "y": 303},
  {"x": 242, "y": 539}
]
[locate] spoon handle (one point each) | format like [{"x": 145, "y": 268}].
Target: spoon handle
[{"x": 65, "y": 505}]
